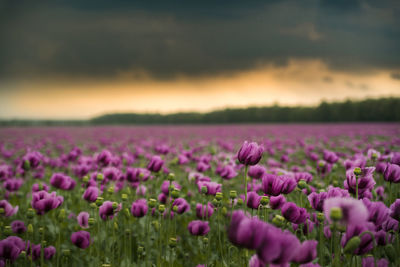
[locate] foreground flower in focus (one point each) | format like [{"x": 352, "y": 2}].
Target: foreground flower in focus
[{"x": 250, "y": 153}]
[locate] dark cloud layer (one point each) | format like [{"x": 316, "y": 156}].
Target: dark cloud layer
[{"x": 102, "y": 39}]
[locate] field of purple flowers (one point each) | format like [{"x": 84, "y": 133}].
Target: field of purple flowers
[{"x": 248, "y": 195}]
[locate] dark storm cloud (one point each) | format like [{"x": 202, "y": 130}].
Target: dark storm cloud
[{"x": 101, "y": 39}]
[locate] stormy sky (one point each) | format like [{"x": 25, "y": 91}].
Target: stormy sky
[{"x": 77, "y": 59}]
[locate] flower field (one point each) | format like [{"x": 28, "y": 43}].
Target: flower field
[{"x": 237, "y": 195}]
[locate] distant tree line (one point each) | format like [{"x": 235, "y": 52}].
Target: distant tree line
[{"x": 369, "y": 110}]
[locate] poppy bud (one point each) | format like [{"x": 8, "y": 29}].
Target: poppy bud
[
  {"x": 91, "y": 221},
  {"x": 27, "y": 165},
  {"x": 66, "y": 252},
  {"x": 205, "y": 240},
  {"x": 100, "y": 177},
  {"x": 357, "y": 171},
  {"x": 240, "y": 202},
  {"x": 352, "y": 245},
  {"x": 224, "y": 211},
  {"x": 320, "y": 217},
  {"x": 264, "y": 200},
  {"x": 278, "y": 220},
  {"x": 124, "y": 197},
  {"x": 99, "y": 201},
  {"x": 155, "y": 225},
  {"x": 110, "y": 189},
  {"x": 171, "y": 176},
  {"x": 218, "y": 196},
  {"x": 7, "y": 230},
  {"x": 2, "y": 211},
  {"x": 302, "y": 184},
  {"x": 215, "y": 202},
  {"x": 114, "y": 205},
  {"x": 233, "y": 194},
  {"x": 152, "y": 202},
  {"x": 116, "y": 226},
  {"x": 204, "y": 190},
  {"x": 172, "y": 242},
  {"x": 336, "y": 214},
  {"x": 85, "y": 179},
  {"x": 30, "y": 229},
  {"x": 175, "y": 193},
  {"x": 175, "y": 208},
  {"x": 161, "y": 208},
  {"x": 30, "y": 213},
  {"x": 93, "y": 205}
]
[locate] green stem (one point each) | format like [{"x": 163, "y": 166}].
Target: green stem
[
  {"x": 356, "y": 186},
  {"x": 245, "y": 186}
]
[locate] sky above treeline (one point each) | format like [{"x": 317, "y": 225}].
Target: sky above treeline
[{"x": 77, "y": 59}]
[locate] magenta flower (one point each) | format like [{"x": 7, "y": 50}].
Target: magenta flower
[
  {"x": 352, "y": 230},
  {"x": 226, "y": 172},
  {"x": 394, "y": 210},
  {"x": 8, "y": 209},
  {"x": 91, "y": 193},
  {"x": 204, "y": 211},
  {"x": 18, "y": 227},
  {"x": 277, "y": 202},
  {"x": 40, "y": 187},
  {"x": 378, "y": 212},
  {"x": 134, "y": 175},
  {"x": 256, "y": 172},
  {"x": 81, "y": 239},
  {"x": 11, "y": 247},
  {"x": 43, "y": 202},
  {"x": 253, "y": 200},
  {"x": 35, "y": 251},
  {"x": 83, "y": 219},
  {"x": 370, "y": 262},
  {"x": 198, "y": 227},
  {"x": 366, "y": 181},
  {"x": 293, "y": 213},
  {"x": 107, "y": 212},
  {"x": 34, "y": 159},
  {"x": 13, "y": 184},
  {"x": 212, "y": 187},
  {"x": 182, "y": 205},
  {"x": 274, "y": 185},
  {"x": 392, "y": 173},
  {"x": 62, "y": 181},
  {"x": 155, "y": 164},
  {"x": 250, "y": 153},
  {"x": 354, "y": 211},
  {"x": 330, "y": 156},
  {"x": 307, "y": 252},
  {"x": 166, "y": 184},
  {"x": 104, "y": 158},
  {"x": 139, "y": 208}
]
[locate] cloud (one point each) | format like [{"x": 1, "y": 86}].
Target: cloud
[{"x": 167, "y": 39}]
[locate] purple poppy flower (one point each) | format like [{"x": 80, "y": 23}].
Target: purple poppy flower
[
  {"x": 203, "y": 166},
  {"x": 35, "y": 251},
  {"x": 8, "y": 209},
  {"x": 293, "y": 213},
  {"x": 246, "y": 232},
  {"x": 107, "y": 212},
  {"x": 43, "y": 202},
  {"x": 394, "y": 210},
  {"x": 166, "y": 184},
  {"x": 352, "y": 230},
  {"x": 81, "y": 239},
  {"x": 256, "y": 172},
  {"x": 198, "y": 227},
  {"x": 139, "y": 208},
  {"x": 305, "y": 176},
  {"x": 182, "y": 205},
  {"x": 40, "y": 187},
  {"x": 353, "y": 211},
  {"x": 382, "y": 238},
  {"x": 274, "y": 185},
  {"x": 365, "y": 181},
  {"x": 18, "y": 227},
  {"x": 306, "y": 252},
  {"x": 212, "y": 187},
  {"x": 34, "y": 158},
  {"x": 112, "y": 174},
  {"x": 317, "y": 199},
  {"x": 380, "y": 167},
  {"x": 390, "y": 224},
  {"x": 104, "y": 158},
  {"x": 62, "y": 181},
  {"x": 277, "y": 202},
  {"x": 91, "y": 193},
  {"x": 83, "y": 219},
  {"x": 137, "y": 174},
  {"x": 250, "y": 153},
  {"x": 155, "y": 164},
  {"x": 392, "y": 173},
  {"x": 9, "y": 249},
  {"x": 253, "y": 200},
  {"x": 13, "y": 184},
  {"x": 226, "y": 172},
  {"x": 204, "y": 211},
  {"x": 330, "y": 156},
  {"x": 370, "y": 262},
  {"x": 378, "y": 212}
]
